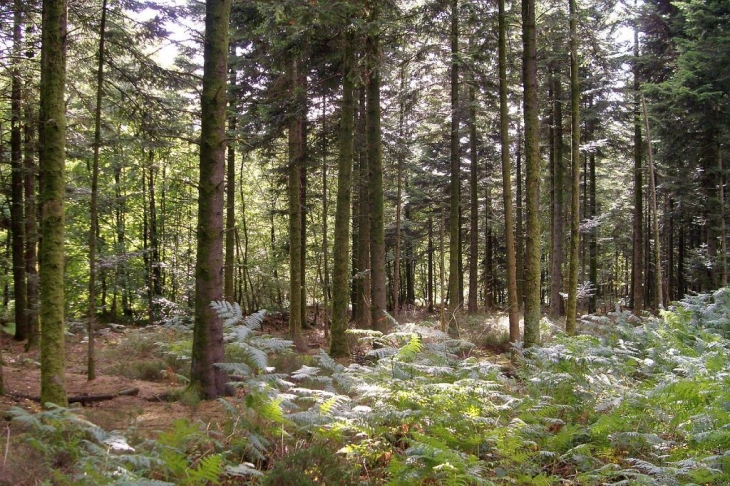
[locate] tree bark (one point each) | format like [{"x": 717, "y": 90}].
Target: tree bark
[
  {"x": 657, "y": 283},
  {"x": 532, "y": 175},
  {"x": 455, "y": 183},
  {"x": 296, "y": 278},
  {"x": 208, "y": 349},
  {"x": 572, "y": 304},
  {"x": 375, "y": 180},
  {"x": 94, "y": 214},
  {"x": 637, "y": 258},
  {"x": 53, "y": 119},
  {"x": 557, "y": 255},
  {"x": 512, "y": 299},
  {"x": 340, "y": 275},
  {"x": 230, "y": 255},
  {"x": 17, "y": 225},
  {"x": 472, "y": 304}
]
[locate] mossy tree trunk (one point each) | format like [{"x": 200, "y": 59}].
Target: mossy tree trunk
[
  {"x": 473, "y": 306},
  {"x": 340, "y": 273},
  {"x": 208, "y": 331},
  {"x": 17, "y": 225},
  {"x": 572, "y": 304},
  {"x": 361, "y": 310},
  {"x": 557, "y": 254},
  {"x": 378, "y": 297},
  {"x": 454, "y": 294},
  {"x": 53, "y": 119},
  {"x": 532, "y": 175},
  {"x": 512, "y": 303},
  {"x": 31, "y": 230}
]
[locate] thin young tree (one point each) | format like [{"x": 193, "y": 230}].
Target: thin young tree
[
  {"x": 512, "y": 303},
  {"x": 94, "y": 212},
  {"x": 208, "y": 349},
  {"x": 53, "y": 120},
  {"x": 532, "y": 175},
  {"x": 454, "y": 294},
  {"x": 572, "y": 304},
  {"x": 378, "y": 296},
  {"x": 16, "y": 185}
]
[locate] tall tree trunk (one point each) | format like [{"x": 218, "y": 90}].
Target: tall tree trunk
[
  {"x": 53, "y": 119},
  {"x": 31, "y": 230},
  {"x": 208, "y": 331},
  {"x": 454, "y": 191},
  {"x": 325, "y": 211},
  {"x": 519, "y": 225},
  {"x": 657, "y": 283},
  {"x": 557, "y": 254},
  {"x": 429, "y": 278},
  {"x": 17, "y": 225},
  {"x": 723, "y": 231},
  {"x": 572, "y": 305},
  {"x": 473, "y": 306},
  {"x": 532, "y": 175},
  {"x": 400, "y": 161},
  {"x": 362, "y": 313},
  {"x": 295, "y": 218},
  {"x": 340, "y": 275},
  {"x": 637, "y": 258},
  {"x": 230, "y": 255},
  {"x": 94, "y": 216},
  {"x": 593, "y": 235},
  {"x": 375, "y": 180}
]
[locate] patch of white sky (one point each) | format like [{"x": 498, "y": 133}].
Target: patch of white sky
[{"x": 182, "y": 32}]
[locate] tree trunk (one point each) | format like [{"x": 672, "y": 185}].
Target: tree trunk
[
  {"x": 295, "y": 218},
  {"x": 519, "y": 226},
  {"x": 230, "y": 255},
  {"x": 512, "y": 295},
  {"x": 454, "y": 191},
  {"x": 429, "y": 282},
  {"x": 473, "y": 306},
  {"x": 361, "y": 281},
  {"x": 637, "y": 258},
  {"x": 557, "y": 234},
  {"x": 17, "y": 225},
  {"x": 31, "y": 231},
  {"x": 208, "y": 331},
  {"x": 571, "y": 307},
  {"x": 53, "y": 119},
  {"x": 658, "y": 292},
  {"x": 532, "y": 176},
  {"x": 340, "y": 275},
  {"x": 94, "y": 216},
  {"x": 325, "y": 236},
  {"x": 375, "y": 181}
]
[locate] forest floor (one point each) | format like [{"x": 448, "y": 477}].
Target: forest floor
[{"x": 128, "y": 357}]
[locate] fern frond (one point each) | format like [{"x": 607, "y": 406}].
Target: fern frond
[
  {"x": 230, "y": 313},
  {"x": 411, "y": 349},
  {"x": 244, "y": 469},
  {"x": 208, "y": 471}
]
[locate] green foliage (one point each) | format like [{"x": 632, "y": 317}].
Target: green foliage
[{"x": 627, "y": 402}]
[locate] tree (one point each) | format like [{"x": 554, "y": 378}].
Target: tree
[
  {"x": 532, "y": 175},
  {"x": 208, "y": 349},
  {"x": 512, "y": 303},
  {"x": 340, "y": 275},
  {"x": 572, "y": 305},
  {"x": 94, "y": 216},
  {"x": 53, "y": 121},
  {"x": 375, "y": 176},
  {"x": 454, "y": 295},
  {"x": 17, "y": 182}
]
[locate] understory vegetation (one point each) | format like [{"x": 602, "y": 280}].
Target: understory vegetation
[{"x": 628, "y": 401}]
